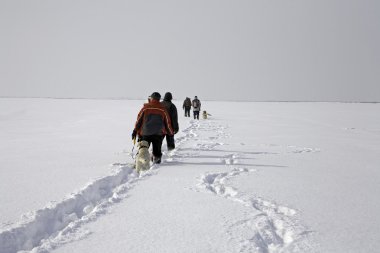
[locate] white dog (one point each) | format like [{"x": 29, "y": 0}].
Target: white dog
[
  {"x": 143, "y": 157},
  {"x": 205, "y": 114}
]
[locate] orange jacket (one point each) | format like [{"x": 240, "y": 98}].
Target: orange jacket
[{"x": 153, "y": 119}]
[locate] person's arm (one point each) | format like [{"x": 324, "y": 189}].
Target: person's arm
[{"x": 139, "y": 121}]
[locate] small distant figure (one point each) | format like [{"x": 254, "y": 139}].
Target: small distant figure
[
  {"x": 187, "y": 106},
  {"x": 205, "y": 114},
  {"x": 172, "y": 111},
  {"x": 153, "y": 123},
  {"x": 196, "y": 107}
]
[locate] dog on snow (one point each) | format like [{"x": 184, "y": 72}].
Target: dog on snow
[
  {"x": 205, "y": 114},
  {"x": 143, "y": 157}
]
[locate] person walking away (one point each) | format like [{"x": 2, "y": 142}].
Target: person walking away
[
  {"x": 172, "y": 111},
  {"x": 152, "y": 124},
  {"x": 187, "y": 106},
  {"x": 196, "y": 107}
]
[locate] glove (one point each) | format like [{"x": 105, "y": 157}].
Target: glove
[{"x": 134, "y": 133}]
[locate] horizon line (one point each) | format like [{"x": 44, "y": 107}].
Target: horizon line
[{"x": 214, "y": 100}]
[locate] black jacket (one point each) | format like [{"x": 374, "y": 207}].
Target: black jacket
[
  {"x": 172, "y": 111},
  {"x": 186, "y": 103}
]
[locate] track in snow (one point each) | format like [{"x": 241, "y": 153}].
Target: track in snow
[
  {"x": 270, "y": 227},
  {"x": 60, "y": 223}
]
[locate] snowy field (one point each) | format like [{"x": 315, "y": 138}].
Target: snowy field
[{"x": 254, "y": 177}]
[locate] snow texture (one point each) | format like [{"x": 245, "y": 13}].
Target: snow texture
[{"x": 270, "y": 178}]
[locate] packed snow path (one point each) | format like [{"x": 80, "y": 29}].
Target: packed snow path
[
  {"x": 268, "y": 227},
  {"x": 60, "y": 222}
]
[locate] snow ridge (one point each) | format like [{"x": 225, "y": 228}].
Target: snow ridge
[
  {"x": 46, "y": 228},
  {"x": 269, "y": 227},
  {"x": 60, "y": 223}
]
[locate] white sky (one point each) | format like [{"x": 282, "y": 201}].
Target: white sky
[{"x": 216, "y": 49}]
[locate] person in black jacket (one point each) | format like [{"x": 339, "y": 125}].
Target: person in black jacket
[
  {"x": 172, "y": 111},
  {"x": 187, "y": 106}
]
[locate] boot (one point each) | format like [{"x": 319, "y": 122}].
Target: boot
[{"x": 157, "y": 160}]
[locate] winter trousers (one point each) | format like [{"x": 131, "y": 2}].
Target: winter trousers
[
  {"x": 187, "y": 111},
  {"x": 196, "y": 114},
  {"x": 156, "y": 141},
  {"x": 170, "y": 142}
]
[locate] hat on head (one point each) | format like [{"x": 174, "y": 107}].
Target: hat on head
[
  {"x": 168, "y": 96},
  {"x": 156, "y": 95}
]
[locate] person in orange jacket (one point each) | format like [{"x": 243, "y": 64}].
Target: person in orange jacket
[{"x": 153, "y": 123}]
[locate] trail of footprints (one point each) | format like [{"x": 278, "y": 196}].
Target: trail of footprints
[
  {"x": 269, "y": 227},
  {"x": 62, "y": 222}
]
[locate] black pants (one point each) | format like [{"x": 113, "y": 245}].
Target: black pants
[
  {"x": 170, "y": 142},
  {"x": 156, "y": 141},
  {"x": 196, "y": 114},
  {"x": 187, "y": 111}
]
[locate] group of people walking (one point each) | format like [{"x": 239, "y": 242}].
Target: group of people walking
[
  {"x": 157, "y": 120},
  {"x": 196, "y": 104}
]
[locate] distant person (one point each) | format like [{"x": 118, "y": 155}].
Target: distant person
[
  {"x": 196, "y": 107},
  {"x": 172, "y": 111},
  {"x": 153, "y": 123},
  {"x": 187, "y": 106}
]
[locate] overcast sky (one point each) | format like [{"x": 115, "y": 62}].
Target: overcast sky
[{"x": 325, "y": 50}]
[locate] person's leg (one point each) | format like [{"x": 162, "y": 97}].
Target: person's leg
[
  {"x": 170, "y": 142},
  {"x": 157, "y": 144},
  {"x": 197, "y": 114}
]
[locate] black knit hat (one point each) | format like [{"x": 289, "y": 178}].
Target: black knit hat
[
  {"x": 156, "y": 95},
  {"x": 168, "y": 96}
]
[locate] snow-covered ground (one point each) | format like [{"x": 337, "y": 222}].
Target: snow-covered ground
[{"x": 254, "y": 177}]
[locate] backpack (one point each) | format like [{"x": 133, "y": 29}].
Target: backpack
[{"x": 196, "y": 103}]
